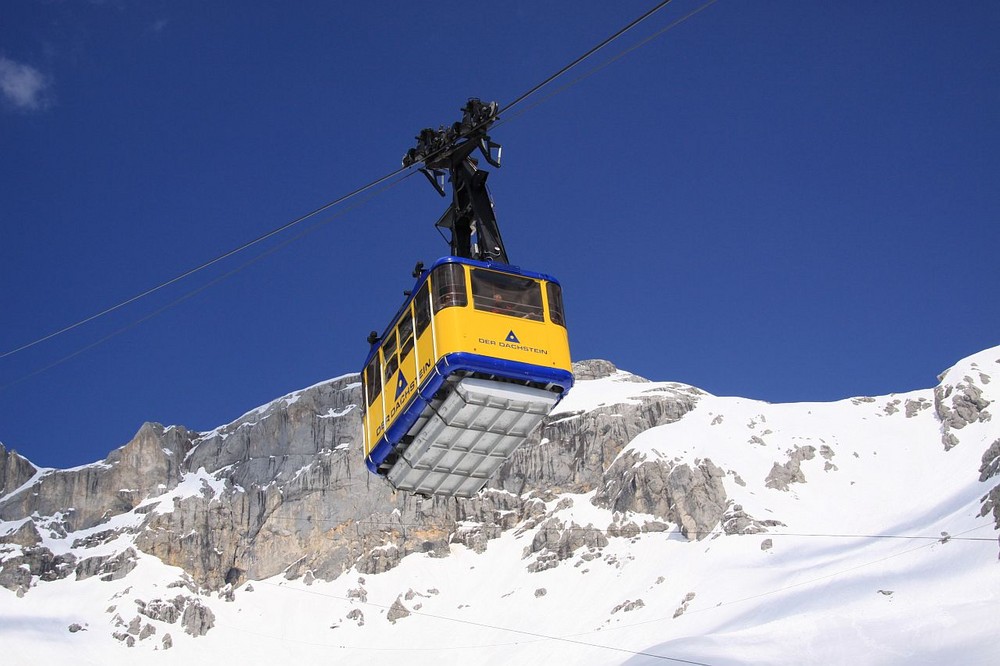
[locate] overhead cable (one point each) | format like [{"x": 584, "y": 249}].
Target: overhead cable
[{"x": 518, "y": 100}]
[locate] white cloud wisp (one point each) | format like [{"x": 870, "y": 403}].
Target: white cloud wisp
[{"x": 23, "y": 86}]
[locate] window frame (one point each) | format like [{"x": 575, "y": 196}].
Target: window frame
[
  {"x": 373, "y": 380},
  {"x": 517, "y": 296},
  {"x": 557, "y": 309},
  {"x": 405, "y": 343},
  {"x": 422, "y": 309},
  {"x": 449, "y": 282}
]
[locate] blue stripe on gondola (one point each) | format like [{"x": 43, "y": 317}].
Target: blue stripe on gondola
[{"x": 460, "y": 362}]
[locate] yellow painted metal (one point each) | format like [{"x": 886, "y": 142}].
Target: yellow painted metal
[{"x": 463, "y": 329}]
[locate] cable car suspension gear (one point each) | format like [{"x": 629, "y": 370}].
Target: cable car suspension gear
[{"x": 448, "y": 151}]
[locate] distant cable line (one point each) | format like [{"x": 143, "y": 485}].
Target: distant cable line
[
  {"x": 586, "y": 55},
  {"x": 521, "y": 98},
  {"x": 211, "y": 262},
  {"x": 604, "y": 65},
  {"x": 533, "y": 634},
  {"x": 189, "y": 294}
]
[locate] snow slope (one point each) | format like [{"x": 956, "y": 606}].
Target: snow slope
[{"x": 878, "y": 555}]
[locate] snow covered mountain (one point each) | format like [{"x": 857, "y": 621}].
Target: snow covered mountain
[{"x": 644, "y": 522}]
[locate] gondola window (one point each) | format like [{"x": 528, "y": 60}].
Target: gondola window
[
  {"x": 449, "y": 287},
  {"x": 556, "y": 314},
  {"x": 507, "y": 295}
]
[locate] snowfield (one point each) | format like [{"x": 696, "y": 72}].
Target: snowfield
[{"x": 882, "y": 553}]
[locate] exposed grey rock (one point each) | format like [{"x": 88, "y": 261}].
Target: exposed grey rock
[
  {"x": 15, "y": 471},
  {"x": 950, "y": 440},
  {"x": 991, "y": 462},
  {"x": 561, "y": 540},
  {"x": 914, "y": 407},
  {"x": 147, "y": 631},
  {"x": 397, "y": 612},
  {"x": 766, "y": 544},
  {"x": 958, "y": 406},
  {"x": 197, "y": 618},
  {"x": 358, "y": 593},
  {"x": 991, "y": 503},
  {"x": 357, "y": 616},
  {"x": 168, "y": 611},
  {"x": 167, "y": 642},
  {"x": 476, "y": 536},
  {"x": 544, "y": 562},
  {"x": 628, "y": 605},
  {"x": 142, "y": 468},
  {"x": 15, "y": 575},
  {"x": 688, "y": 598},
  {"x": 75, "y": 627},
  {"x": 26, "y": 534},
  {"x": 540, "y": 592},
  {"x": 291, "y": 494},
  {"x": 97, "y": 539},
  {"x": 16, "y": 571},
  {"x": 108, "y": 567},
  {"x": 594, "y": 369},
  {"x": 296, "y": 497},
  {"x": 737, "y": 521},
  {"x": 380, "y": 560},
  {"x": 578, "y": 449},
  {"x": 296, "y": 484},
  {"x": 228, "y": 594},
  {"x": 790, "y": 472},
  {"x": 126, "y": 638},
  {"x": 692, "y": 497},
  {"x": 626, "y": 530}
]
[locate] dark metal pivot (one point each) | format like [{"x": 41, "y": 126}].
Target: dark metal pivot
[{"x": 448, "y": 150}]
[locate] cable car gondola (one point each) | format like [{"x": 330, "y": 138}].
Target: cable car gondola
[{"x": 478, "y": 354}]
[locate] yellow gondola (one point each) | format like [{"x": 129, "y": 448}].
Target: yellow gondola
[{"x": 479, "y": 352}]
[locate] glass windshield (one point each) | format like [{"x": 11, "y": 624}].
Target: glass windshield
[
  {"x": 510, "y": 295},
  {"x": 449, "y": 286},
  {"x": 555, "y": 304}
]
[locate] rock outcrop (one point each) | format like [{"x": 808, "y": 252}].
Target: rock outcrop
[
  {"x": 86, "y": 496},
  {"x": 283, "y": 491},
  {"x": 692, "y": 497},
  {"x": 15, "y": 471}
]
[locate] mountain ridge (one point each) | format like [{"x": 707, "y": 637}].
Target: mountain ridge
[{"x": 623, "y": 467}]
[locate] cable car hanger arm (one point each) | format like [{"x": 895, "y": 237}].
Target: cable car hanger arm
[{"x": 448, "y": 150}]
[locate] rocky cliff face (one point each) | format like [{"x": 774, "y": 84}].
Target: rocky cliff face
[{"x": 283, "y": 489}]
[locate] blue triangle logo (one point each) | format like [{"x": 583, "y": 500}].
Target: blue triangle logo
[
  {"x": 512, "y": 338},
  {"x": 401, "y": 384}
]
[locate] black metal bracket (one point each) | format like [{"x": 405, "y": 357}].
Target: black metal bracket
[{"x": 448, "y": 150}]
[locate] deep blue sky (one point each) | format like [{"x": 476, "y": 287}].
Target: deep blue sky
[{"x": 782, "y": 200}]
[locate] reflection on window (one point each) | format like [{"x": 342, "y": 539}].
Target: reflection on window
[
  {"x": 405, "y": 331},
  {"x": 509, "y": 295},
  {"x": 449, "y": 286},
  {"x": 422, "y": 310},
  {"x": 373, "y": 383},
  {"x": 555, "y": 303},
  {"x": 391, "y": 365},
  {"x": 389, "y": 356}
]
